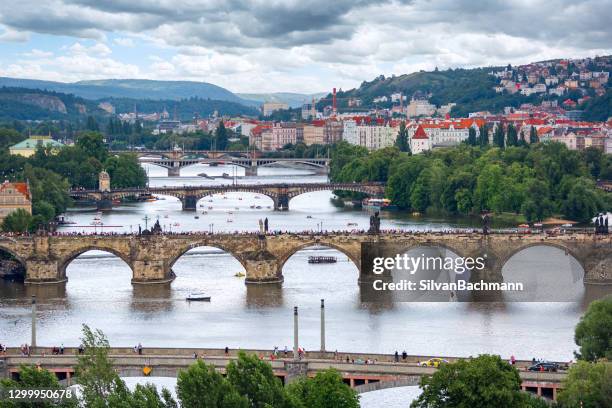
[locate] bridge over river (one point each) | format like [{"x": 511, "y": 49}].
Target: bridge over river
[
  {"x": 380, "y": 371},
  {"x": 151, "y": 257},
  {"x": 281, "y": 194}
]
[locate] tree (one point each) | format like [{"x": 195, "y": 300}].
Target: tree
[
  {"x": 92, "y": 144},
  {"x": 325, "y": 390},
  {"x": 511, "y": 136},
  {"x": 594, "y": 331},
  {"x": 471, "y": 140},
  {"x": 483, "y": 382},
  {"x": 499, "y": 138},
  {"x": 484, "y": 136},
  {"x": 92, "y": 125},
  {"x": 221, "y": 136},
  {"x": 587, "y": 385},
  {"x": 35, "y": 377},
  {"x": 533, "y": 136},
  {"x": 201, "y": 386},
  {"x": 125, "y": 171},
  {"x": 401, "y": 142},
  {"x": 255, "y": 379},
  {"x": 17, "y": 221}
]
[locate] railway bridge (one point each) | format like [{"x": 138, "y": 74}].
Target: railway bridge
[
  {"x": 151, "y": 257},
  {"x": 281, "y": 194}
]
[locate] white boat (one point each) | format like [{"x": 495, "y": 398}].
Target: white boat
[{"x": 198, "y": 297}]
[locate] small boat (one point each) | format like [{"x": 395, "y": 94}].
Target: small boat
[
  {"x": 210, "y": 207},
  {"x": 352, "y": 224},
  {"x": 268, "y": 207},
  {"x": 225, "y": 197},
  {"x": 166, "y": 216},
  {"x": 197, "y": 297},
  {"x": 258, "y": 207},
  {"x": 201, "y": 205},
  {"x": 230, "y": 212},
  {"x": 197, "y": 217},
  {"x": 257, "y": 197},
  {"x": 322, "y": 259},
  {"x": 252, "y": 206},
  {"x": 176, "y": 224},
  {"x": 210, "y": 201},
  {"x": 309, "y": 216},
  {"x": 239, "y": 198},
  {"x": 239, "y": 274},
  {"x": 204, "y": 212},
  {"x": 230, "y": 220}
]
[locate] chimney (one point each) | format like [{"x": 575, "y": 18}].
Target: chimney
[{"x": 334, "y": 101}]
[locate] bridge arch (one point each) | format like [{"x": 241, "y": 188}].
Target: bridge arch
[
  {"x": 353, "y": 256},
  {"x": 66, "y": 260},
  {"x": 515, "y": 251},
  {"x": 6, "y": 249},
  {"x": 211, "y": 244}
]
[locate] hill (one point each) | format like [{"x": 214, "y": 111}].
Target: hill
[{"x": 132, "y": 88}]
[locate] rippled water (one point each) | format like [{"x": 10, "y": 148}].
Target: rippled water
[{"x": 99, "y": 292}]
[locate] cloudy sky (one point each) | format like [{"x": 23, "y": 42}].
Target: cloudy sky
[{"x": 288, "y": 45}]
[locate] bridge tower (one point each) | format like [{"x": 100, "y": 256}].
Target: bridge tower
[{"x": 104, "y": 185}]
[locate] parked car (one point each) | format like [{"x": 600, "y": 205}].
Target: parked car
[
  {"x": 544, "y": 366},
  {"x": 433, "y": 362}
]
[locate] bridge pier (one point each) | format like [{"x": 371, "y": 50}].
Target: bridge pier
[
  {"x": 261, "y": 266},
  {"x": 190, "y": 203},
  {"x": 174, "y": 171},
  {"x": 281, "y": 202},
  {"x": 41, "y": 271},
  {"x": 149, "y": 272},
  {"x": 104, "y": 204}
]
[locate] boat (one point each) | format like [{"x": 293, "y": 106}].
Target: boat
[
  {"x": 322, "y": 259},
  {"x": 352, "y": 224},
  {"x": 198, "y": 297},
  {"x": 210, "y": 207},
  {"x": 236, "y": 208},
  {"x": 252, "y": 206},
  {"x": 166, "y": 216},
  {"x": 257, "y": 197},
  {"x": 239, "y": 275},
  {"x": 204, "y": 212},
  {"x": 197, "y": 217},
  {"x": 230, "y": 220},
  {"x": 309, "y": 216},
  {"x": 378, "y": 204},
  {"x": 230, "y": 212},
  {"x": 258, "y": 207},
  {"x": 210, "y": 201},
  {"x": 239, "y": 198}
]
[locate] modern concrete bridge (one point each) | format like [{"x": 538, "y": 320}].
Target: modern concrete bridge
[
  {"x": 151, "y": 257},
  {"x": 381, "y": 371},
  {"x": 281, "y": 194}
]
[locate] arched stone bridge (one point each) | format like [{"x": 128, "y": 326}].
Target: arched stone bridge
[
  {"x": 190, "y": 195},
  {"x": 151, "y": 257}
]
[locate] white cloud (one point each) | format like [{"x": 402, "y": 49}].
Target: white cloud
[
  {"x": 36, "y": 53},
  {"x": 124, "y": 42},
  {"x": 10, "y": 35}
]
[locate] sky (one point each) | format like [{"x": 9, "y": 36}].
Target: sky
[{"x": 302, "y": 46}]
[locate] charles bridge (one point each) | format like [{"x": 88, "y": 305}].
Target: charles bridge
[
  {"x": 151, "y": 257},
  {"x": 281, "y": 194}
]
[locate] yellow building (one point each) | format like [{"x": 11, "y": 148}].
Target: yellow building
[
  {"x": 29, "y": 146},
  {"x": 14, "y": 196}
]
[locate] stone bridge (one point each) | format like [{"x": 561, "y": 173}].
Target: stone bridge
[
  {"x": 151, "y": 257},
  {"x": 281, "y": 194}
]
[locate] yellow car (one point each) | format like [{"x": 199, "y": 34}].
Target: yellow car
[{"x": 433, "y": 362}]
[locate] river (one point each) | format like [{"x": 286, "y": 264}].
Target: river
[{"x": 99, "y": 292}]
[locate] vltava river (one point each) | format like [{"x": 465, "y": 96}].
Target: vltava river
[{"x": 99, "y": 292}]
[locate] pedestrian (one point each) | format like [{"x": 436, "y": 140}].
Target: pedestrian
[
  {"x": 285, "y": 351},
  {"x": 512, "y": 359},
  {"x": 226, "y": 351},
  {"x": 139, "y": 348},
  {"x": 61, "y": 350},
  {"x": 404, "y": 355},
  {"x": 266, "y": 225},
  {"x": 396, "y": 356}
]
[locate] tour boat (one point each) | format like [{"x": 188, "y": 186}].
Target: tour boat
[
  {"x": 322, "y": 259},
  {"x": 377, "y": 204},
  {"x": 239, "y": 275},
  {"x": 198, "y": 297}
]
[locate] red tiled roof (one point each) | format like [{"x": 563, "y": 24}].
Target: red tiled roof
[
  {"x": 420, "y": 133},
  {"x": 22, "y": 188}
]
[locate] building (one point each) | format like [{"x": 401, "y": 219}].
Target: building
[
  {"x": 14, "y": 196},
  {"x": 314, "y": 133},
  {"x": 267, "y": 108},
  {"x": 29, "y": 146},
  {"x": 332, "y": 131},
  {"x": 420, "y": 142},
  {"x": 309, "y": 111},
  {"x": 420, "y": 107},
  {"x": 283, "y": 133}
]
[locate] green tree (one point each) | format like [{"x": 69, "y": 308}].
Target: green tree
[
  {"x": 17, "y": 221},
  {"x": 533, "y": 136},
  {"x": 202, "y": 386},
  {"x": 499, "y": 137},
  {"x": 401, "y": 141},
  {"x": 92, "y": 144},
  {"x": 594, "y": 331},
  {"x": 221, "y": 136},
  {"x": 125, "y": 171},
  {"x": 587, "y": 385},
  {"x": 471, "y": 140},
  {"x": 483, "y": 382},
  {"x": 255, "y": 379},
  {"x": 325, "y": 390},
  {"x": 512, "y": 136},
  {"x": 483, "y": 140},
  {"x": 34, "y": 377},
  {"x": 92, "y": 125}
]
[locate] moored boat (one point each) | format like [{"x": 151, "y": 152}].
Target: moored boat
[{"x": 198, "y": 297}]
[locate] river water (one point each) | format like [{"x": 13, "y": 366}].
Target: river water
[{"x": 99, "y": 292}]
